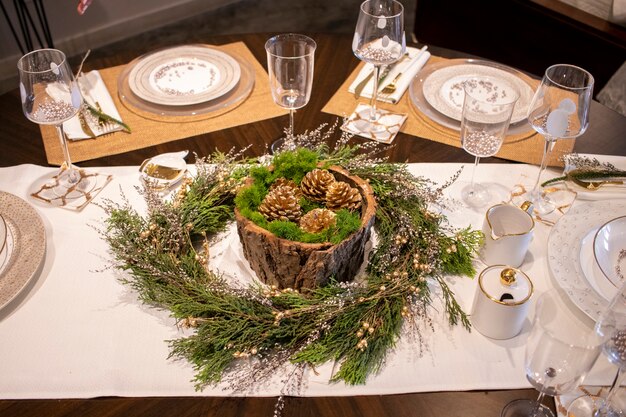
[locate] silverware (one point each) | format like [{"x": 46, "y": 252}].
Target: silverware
[
  {"x": 360, "y": 86},
  {"x": 594, "y": 185},
  {"x": 391, "y": 87}
]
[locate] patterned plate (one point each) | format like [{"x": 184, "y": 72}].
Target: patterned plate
[
  {"x": 443, "y": 89},
  {"x": 184, "y": 75},
  {"x": 567, "y": 262},
  {"x": 25, "y": 249}
]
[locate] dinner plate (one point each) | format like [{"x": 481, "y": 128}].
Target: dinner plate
[
  {"x": 3, "y": 234},
  {"x": 570, "y": 265},
  {"x": 26, "y": 246},
  {"x": 192, "y": 112},
  {"x": 608, "y": 244},
  {"x": 444, "y": 88},
  {"x": 184, "y": 75},
  {"x": 421, "y": 103},
  {"x": 592, "y": 272},
  {"x": 8, "y": 236}
]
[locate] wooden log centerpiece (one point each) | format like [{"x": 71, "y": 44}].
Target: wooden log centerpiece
[{"x": 289, "y": 264}]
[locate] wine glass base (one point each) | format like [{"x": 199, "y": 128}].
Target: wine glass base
[
  {"x": 526, "y": 408},
  {"x": 71, "y": 193},
  {"x": 282, "y": 144},
  {"x": 542, "y": 204},
  {"x": 589, "y": 406},
  {"x": 475, "y": 195},
  {"x": 382, "y": 128},
  {"x": 72, "y": 185}
]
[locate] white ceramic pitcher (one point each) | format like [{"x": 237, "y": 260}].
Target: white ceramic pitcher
[{"x": 508, "y": 231}]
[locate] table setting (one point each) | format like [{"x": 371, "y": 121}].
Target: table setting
[{"x": 231, "y": 276}]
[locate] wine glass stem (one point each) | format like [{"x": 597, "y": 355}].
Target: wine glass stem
[
  {"x": 476, "y": 161},
  {"x": 549, "y": 143},
  {"x": 538, "y": 404},
  {"x": 291, "y": 113},
  {"x": 373, "y": 111},
  {"x": 617, "y": 382},
  {"x": 72, "y": 174}
]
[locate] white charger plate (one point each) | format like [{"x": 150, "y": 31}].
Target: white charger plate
[
  {"x": 570, "y": 264},
  {"x": 27, "y": 250},
  {"x": 443, "y": 88},
  {"x": 184, "y": 75}
]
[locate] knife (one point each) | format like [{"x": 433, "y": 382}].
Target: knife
[{"x": 360, "y": 86}]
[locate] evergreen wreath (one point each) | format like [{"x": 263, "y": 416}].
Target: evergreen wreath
[{"x": 165, "y": 255}]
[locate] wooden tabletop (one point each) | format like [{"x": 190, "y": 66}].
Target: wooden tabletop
[{"x": 21, "y": 143}]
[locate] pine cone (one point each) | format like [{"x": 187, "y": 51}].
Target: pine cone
[
  {"x": 317, "y": 220},
  {"x": 278, "y": 182},
  {"x": 315, "y": 184},
  {"x": 341, "y": 195},
  {"x": 281, "y": 204}
]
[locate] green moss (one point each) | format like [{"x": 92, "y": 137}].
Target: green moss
[
  {"x": 308, "y": 205},
  {"x": 285, "y": 230},
  {"x": 292, "y": 165},
  {"x": 250, "y": 198},
  {"x": 262, "y": 176},
  {"x": 347, "y": 223}
]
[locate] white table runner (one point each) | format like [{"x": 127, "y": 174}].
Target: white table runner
[{"x": 77, "y": 332}]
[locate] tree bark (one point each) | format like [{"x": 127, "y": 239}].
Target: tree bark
[{"x": 289, "y": 264}]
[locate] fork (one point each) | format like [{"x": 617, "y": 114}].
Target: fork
[{"x": 391, "y": 87}]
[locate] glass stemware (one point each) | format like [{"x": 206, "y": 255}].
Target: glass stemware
[
  {"x": 558, "y": 110},
  {"x": 560, "y": 350},
  {"x": 50, "y": 96},
  {"x": 379, "y": 40},
  {"x": 290, "y": 61},
  {"x": 611, "y": 327},
  {"x": 484, "y": 123}
]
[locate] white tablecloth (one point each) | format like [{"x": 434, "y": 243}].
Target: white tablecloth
[{"x": 78, "y": 332}]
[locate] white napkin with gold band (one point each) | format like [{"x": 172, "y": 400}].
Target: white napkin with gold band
[
  {"x": 407, "y": 68},
  {"x": 95, "y": 93}
]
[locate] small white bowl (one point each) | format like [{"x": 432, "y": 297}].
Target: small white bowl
[
  {"x": 609, "y": 241},
  {"x": 164, "y": 170}
]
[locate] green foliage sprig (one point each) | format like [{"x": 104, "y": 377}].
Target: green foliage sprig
[{"x": 165, "y": 255}]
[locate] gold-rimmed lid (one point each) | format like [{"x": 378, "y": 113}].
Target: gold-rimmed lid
[{"x": 505, "y": 285}]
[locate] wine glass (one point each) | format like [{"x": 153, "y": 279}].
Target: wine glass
[
  {"x": 290, "y": 59},
  {"x": 485, "y": 120},
  {"x": 558, "y": 110},
  {"x": 611, "y": 327},
  {"x": 50, "y": 96},
  {"x": 560, "y": 350},
  {"x": 379, "y": 40}
]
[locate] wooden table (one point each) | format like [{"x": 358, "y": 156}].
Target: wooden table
[{"x": 21, "y": 143}]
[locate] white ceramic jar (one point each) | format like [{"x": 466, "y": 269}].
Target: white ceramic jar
[{"x": 501, "y": 301}]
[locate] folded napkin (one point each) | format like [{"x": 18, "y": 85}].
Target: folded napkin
[
  {"x": 408, "y": 68},
  {"x": 95, "y": 93}
]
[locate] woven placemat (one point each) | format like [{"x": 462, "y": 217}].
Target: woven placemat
[
  {"x": 148, "y": 132},
  {"x": 522, "y": 147}
]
